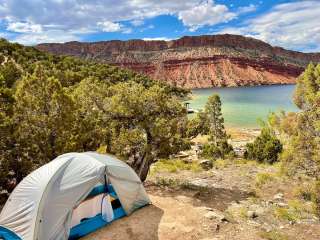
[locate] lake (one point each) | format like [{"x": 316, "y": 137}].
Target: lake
[{"x": 242, "y": 106}]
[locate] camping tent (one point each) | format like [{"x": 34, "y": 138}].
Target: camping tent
[{"x": 65, "y": 198}]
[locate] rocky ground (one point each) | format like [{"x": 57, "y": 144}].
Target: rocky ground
[
  {"x": 232, "y": 201},
  {"x": 222, "y": 200}
]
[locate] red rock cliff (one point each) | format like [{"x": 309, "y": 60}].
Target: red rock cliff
[{"x": 199, "y": 61}]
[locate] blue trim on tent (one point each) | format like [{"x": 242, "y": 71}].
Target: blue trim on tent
[
  {"x": 92, "y": 224},
  {"x": 7, "y": 234},
  {"x": 102, "y": 189}
]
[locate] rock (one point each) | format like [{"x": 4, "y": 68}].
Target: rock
[
  {"x": 182, "y": 154},
  {"x": 215, "y": 215},
  {"x": 187, "y": 160},
  {"x": 257, "y": 209},
  {"x": 252, "y": 214},
  {"x": 199, "y": 183},
  {"x": 282, "y": 204},
  {"x": 269, "y": 203},
  {"x": 217, "y": 228},
  {"x": 266, "y": 228},
  {"x": 254, "y": 223},
  {"x": 206, "y": 164},
  {"x": 278, "y": 196}
]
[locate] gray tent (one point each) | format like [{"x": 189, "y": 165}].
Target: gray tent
[{"x": 43, "y": 206}]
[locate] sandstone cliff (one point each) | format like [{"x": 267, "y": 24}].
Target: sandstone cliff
[{"x": 199, "y": 61}]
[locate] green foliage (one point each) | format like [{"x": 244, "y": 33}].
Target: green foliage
[
  {"x": 305, "y": 190},
  {"x": 141, "y": 124},
  {"x": 210, "y": 122},
  {"x": 285, "y": 214},
  {"x": 219, "y": 150},
  {"x": 265, "y": 148},
  {"x": 45, "y": 118},
  {"x": 302, "y": 152},
  {"x": 262, "y": 179},
  {"x": 51, "y": 105},
  {"x": 198, "y": 125},
  {"x": 215, "y": 120}
]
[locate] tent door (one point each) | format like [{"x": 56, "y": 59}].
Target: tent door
[{"x": 88, "y": 216}]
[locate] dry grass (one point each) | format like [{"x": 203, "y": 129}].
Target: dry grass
[
  {"x": 273, "y": 235},
  {"x": 173, "y": 166},
  {"x": 263, "y": 178}
]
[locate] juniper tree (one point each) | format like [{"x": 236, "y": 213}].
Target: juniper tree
[
  {"x": 211, "y": 123},
  {"x": 45, "y": 120},
  {"x": 215, "y": 119},
  {"x": 303, "y": 150},
  {"x": 138, "y": 124}
]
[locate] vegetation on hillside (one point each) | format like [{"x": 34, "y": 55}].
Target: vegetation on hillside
[
  {"x": 211, "y": 123},
  {"x": 265, "y": 148},
  {"x": 51, "y": 105},
  {"x": 300, "y": 132}
]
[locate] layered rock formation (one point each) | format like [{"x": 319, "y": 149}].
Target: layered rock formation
[{"x": 197, "y": 62}]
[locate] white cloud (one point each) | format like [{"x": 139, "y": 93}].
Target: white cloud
[
  {"x": 247, "y": 9},
  {"x": 24, "y": 27},
  {"x": 206, "y": 13},
  {"x": 79, "y": 17},
  {"x": 291, "y": 25},
  {"x": 52, "y": 36},
  {"x": 80, "y": 14},
  {"x": 137, "y": 22},
  {"x": 157, "y": 39},
  {"x": 108, "y": 26}
]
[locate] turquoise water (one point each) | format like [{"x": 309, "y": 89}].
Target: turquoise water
[{"x": 242, "y": 106}]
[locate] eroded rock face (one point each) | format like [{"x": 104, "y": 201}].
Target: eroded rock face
[{"x": 197, "y": 62}]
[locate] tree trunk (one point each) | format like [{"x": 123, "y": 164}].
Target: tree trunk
[{"x": 142, "y": 165}]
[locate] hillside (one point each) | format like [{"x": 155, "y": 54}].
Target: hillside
[
  {"x": 198, "y": 61},
  {"x": 69, "y": 70}
]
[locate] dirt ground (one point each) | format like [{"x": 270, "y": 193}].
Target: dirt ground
[
  {"x": 234, "y": 200},
  {"x": 214, "y": 213}
]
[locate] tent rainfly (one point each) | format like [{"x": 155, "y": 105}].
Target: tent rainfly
[{"x": 73, "y": 195}]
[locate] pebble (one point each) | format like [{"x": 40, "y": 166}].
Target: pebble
[
  {"x": 252, "y": 214},
  {"x": 278, "y": 196}
]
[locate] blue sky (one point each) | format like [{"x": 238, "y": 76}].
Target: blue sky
[{"x": 290, "y": 24}]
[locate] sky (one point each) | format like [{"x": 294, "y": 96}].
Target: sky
[{"x": 290, "y": 24}]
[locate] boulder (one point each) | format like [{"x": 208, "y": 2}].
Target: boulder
[
  {"x": 212, "y": 214},
  {"x": 252, "y": 214},
  {"x": 206, "y": 164}
]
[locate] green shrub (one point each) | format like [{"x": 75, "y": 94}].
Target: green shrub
[
  {"x": 304, "y": 192},
  {"x": 263, "y": 178},
  {"x": 167, "y": 182},
  {"x": 265, "y": 148},
  {"x": 221, "y": 150},
  {"x": 286, "y": 214}
]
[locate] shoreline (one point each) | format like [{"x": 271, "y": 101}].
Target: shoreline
[{"x": 241, "y": 86}]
